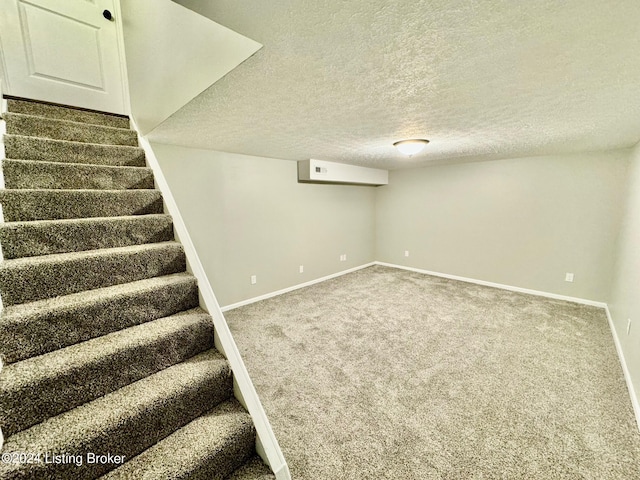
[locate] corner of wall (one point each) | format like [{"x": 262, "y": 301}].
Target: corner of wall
[
  {"x": 624, "y": 304},
  {"x": 635, "y": 404},
  {"x": 180, "y": 39}
]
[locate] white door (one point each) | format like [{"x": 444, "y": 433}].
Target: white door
[{"x": 63, "y": 51}]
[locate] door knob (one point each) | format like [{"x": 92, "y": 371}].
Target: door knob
[{"x": 107, "y": 14}]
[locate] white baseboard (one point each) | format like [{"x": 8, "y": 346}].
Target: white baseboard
[
  {"x": 627, "y": 375},
  {"x": 634, "y": 399},
  {"x": 226, "y": 308},
  {"x": 538, "y": 293},
  {"x": 623, "y": 363}
]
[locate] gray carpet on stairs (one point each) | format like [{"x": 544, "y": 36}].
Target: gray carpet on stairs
[
  {"x": 66, "y": 113},
  {"x": 390, "y": 374},
  {"x": 62, "y": 321},
  {"x": 34, "y": 278},
  {"x": 33, "y": 148},
  {"x": 21, "y": 124},
  {"x": 46, "y": 237},
  {"x": 254, "y": 469},
  {"x": 218, "y": 431},
  {"x": 124, "y": 422},
  {"x": 35, "y": 174},
  {"x": 105, "y": 349},
  {"x": 27, "y": 205},
  {"x": 88, "y": 370}
]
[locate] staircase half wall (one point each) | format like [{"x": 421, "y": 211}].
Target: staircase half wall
[{"x": 172, "y": 55}]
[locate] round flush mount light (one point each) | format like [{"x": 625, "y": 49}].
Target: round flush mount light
[{"x": 411, "y": 147}]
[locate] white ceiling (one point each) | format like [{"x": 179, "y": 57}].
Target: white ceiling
[{"x": 342, "y": 80}]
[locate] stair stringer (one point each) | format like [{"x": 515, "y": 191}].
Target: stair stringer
[
  {"x": 267, "y": 445},
  {"x": 3, "y": 130}
]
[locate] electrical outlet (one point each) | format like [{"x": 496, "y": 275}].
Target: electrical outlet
[
  {"x": 301, "y": 269},
  {"x": 568, "y": 277},
  {"x": 254, "y": 279},
  {"x": 406, "y": 253},
  {"x": 628, "y": 325},
  {"x": 343, "y": 257}
]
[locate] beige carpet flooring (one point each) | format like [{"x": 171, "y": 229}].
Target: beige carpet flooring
[{"x": 390, "y": 374}]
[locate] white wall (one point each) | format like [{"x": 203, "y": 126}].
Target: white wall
[
  {"x": 625, "y": 293},
  {"x": 173, "y": 54},
  {"x": 250, "y": 216},
  {"x": 520, "y": 222},
  {"x": 4, "y": 86}
]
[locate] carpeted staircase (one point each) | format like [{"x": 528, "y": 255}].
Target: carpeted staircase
[{"x": 105, "y": 349}]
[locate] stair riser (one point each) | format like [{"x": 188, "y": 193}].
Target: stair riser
[
  {"x": 36, "y": 174},
  {"x": 65, "y": 113},
  {"x": 138, "y": 430},
  {"x": 29, "y": 205},
  {"x": 254, "y": 469},
  {"x": 62, "y": 130},
  {"x": 220, "y": 442},
  {"x": 235, "y": 453},
  {"x": 22, "y": 406},
  {"x": 28, "y": 239},
  {"x": 30, "y": 282},
  {"x": 29, "y": 148},
  {"x": 42, "y": 333}
]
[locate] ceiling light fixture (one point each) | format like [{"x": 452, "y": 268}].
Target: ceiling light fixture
[{"x": 411, "y": 147}]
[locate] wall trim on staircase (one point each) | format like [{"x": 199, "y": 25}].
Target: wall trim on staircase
[
  {"x": 266, "y": 443},
  {"x": 3, "y": 100},
  {"x": 249, "y": 301},
  {"x": 3, "y": 130},
  {"x": 625, "y": 369}
]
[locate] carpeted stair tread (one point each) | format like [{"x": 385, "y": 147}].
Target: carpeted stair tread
[
  {"x": 44, "y": 386},
  {"x": 64, "y": 151},
  {"x": 32, "y": 174},
  {"x": 66, "y": 113},
  {"x": 34, "y": 278},
  {"x": 210, "y": 447},
  {"x": 46, "y": 237},
  {"x": 35, "y": 328},
  {"x": 254, "y": 469},
  {"x": 42, "y": 127},
  {"x": 124, "y": 422},
  {"x": 28, "y": 205}
]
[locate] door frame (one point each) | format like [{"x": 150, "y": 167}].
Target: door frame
[{"x": 123, "y": 58}]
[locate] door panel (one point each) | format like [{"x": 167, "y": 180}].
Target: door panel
[{"x": 63, "y": 51}]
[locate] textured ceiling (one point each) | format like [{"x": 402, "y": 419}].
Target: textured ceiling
[{"x": 342, "y": 80}]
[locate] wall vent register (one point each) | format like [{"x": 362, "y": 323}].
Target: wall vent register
[{"x": 321, "y": 171}]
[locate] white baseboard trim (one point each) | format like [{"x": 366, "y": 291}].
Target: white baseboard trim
[
  {"x": 226, "y": 308},
  {"x": 632, "y": 394},
  {"x": 625, "y": 370},
  {"x": 634, "y": 399},
  {"x": 502, "y": 286},
  {"x": 627, "y": 376}
]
